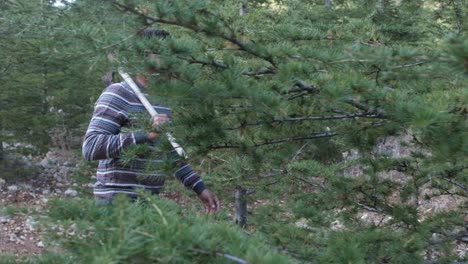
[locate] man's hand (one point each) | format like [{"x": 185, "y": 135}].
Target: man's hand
[
  {"x": 159, "y": 119},
  {"x": 210, "y": 201}
]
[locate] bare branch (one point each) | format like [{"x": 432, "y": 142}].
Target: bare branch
[{"x": 451, "y": 173}]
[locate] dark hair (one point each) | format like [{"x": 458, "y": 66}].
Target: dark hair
[{"x": 109, "y": 78}]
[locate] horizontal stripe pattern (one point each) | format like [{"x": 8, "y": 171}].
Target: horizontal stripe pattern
[{"x": 105, "y": 142}]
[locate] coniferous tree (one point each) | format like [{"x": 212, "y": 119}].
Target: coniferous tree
[
  {"x": 43, "y": 86},
  {"x": 293, "y": 96},
  {"x": 274, "y": 99}
]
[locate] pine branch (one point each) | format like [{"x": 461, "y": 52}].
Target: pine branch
[
  {"x": 408, "y": 65},
  {"x": 450, "y": 173},
  {"x": 366, "y": 108},
  {"x": 243, "y": 46},
  {"x": 5, "y": 68},
  {"x": 260, "y": 72},
  {"x": 348, "y": 60},
  {"x": 231, "y": 37},
  {"x": 221, "y": 254},
  {"x": 312, "y": 136},
  {"x": 308, "y": 118},
  {"x": 453, "y": 182},
  {"x": 276, "y": 141},
  {"x": 299, "y": 152},
  {"x": 221, "y": 65},
  {"x": 304, "y": 259},
  {"x": 399, "y": 67},
  {"x": 369, "y": 208},
  {"x": 453, "y": 172},
  {"x": 133, "y": 10},
  {"x": 303, "y": 89},
  {"x": 458, "y": 14},
  {"x": 213, "y": 63},
  {"x": 321, "y": 186}
]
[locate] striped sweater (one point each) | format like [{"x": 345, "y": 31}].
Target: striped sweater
[{"x": 104, "y": 141}]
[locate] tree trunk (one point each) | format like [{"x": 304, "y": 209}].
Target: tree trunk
[
  {"x": 240, "y": 197},
  {"x": 1, "y": 150},
  {"x": 328, "y": 4}
]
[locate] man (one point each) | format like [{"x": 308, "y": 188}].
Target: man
[{"x": 105, "y": 141}]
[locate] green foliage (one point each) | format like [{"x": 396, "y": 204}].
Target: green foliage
[
  {"x": 371, "y": 246},
  {"x": 49, "y": 258},
  {"x": 47, "y": 91},
  {"x": 272, "y": 100},
  {"x": 12, "y": 210},
  {"x": 151, "y": 230}
]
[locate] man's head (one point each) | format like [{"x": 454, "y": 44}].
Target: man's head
[{"x": 151, "y": 56}]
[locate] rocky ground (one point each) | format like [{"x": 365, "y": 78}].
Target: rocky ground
[{"x": 23, "y": 202}]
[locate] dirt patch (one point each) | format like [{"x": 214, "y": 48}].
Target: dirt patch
[
  {"x": 18, "y": 238},
  {"x": 19, "y": 234}
]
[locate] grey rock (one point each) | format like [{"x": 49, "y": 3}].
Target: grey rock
[
  {"x": 12, "y": 188},
  {"x": 71, "y": 192},
  {"x": 30, "y": 223},
  {"x": 46, "y": 163},
  {"x": 4, "y": 219}
]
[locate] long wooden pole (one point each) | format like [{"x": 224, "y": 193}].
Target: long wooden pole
[{"x": 149, "y": 107}]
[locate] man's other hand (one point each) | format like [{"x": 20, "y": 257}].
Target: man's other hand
[{"x": 210, "y": 201}]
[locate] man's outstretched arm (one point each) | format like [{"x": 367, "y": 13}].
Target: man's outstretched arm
[{"x": 187, "y": 176}]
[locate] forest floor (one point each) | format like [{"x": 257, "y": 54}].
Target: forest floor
[{"x": 24, "y": 203}]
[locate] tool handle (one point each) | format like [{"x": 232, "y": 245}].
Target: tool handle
[{"x": 149, "y": 107}]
